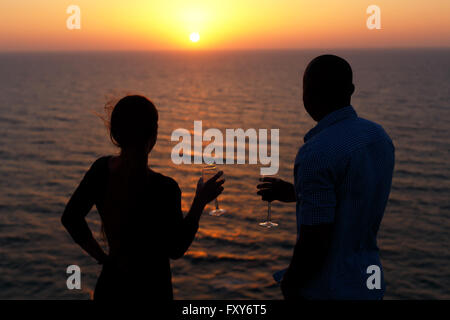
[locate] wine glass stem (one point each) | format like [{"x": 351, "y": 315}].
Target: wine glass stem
[
  {"x": 217, "y": 204},
  {"x": 269, "y": 211}
]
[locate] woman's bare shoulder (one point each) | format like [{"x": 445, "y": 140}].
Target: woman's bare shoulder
[
  {"x": 113, "y": 162},
  {"x": 100, "y": 164},
  {"x": 166, "y": 180}
]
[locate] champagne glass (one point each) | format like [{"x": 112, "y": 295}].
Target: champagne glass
[
  {"x": 209, "y": 171},
  {"x": 268, "y": 223}
]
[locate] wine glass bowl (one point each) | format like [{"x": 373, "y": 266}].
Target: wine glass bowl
[
  {"x": 209, "y": 171},
  {"x": 268, "y": 223}
]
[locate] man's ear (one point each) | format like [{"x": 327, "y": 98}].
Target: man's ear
[{"x": 352, "y": 89}]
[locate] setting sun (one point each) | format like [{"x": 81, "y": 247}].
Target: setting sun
[{"x": 194, "y": 37}]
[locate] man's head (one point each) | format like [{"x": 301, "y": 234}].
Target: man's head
[{"x": 327, "y": 85}]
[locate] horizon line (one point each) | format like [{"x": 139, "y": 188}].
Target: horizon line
[{"x": 220, "y": 49}]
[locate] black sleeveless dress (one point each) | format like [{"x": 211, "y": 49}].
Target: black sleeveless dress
[{"x": 152, "y": 232}]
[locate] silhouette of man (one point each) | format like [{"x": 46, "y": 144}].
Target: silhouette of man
[{"x": 343, "y": 176}]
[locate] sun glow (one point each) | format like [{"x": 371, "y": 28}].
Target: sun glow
[
  {"x": 195, "y": 37},
  {"x": 231, "y": 24}
]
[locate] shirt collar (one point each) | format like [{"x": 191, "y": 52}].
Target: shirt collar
[{"x": 330, "y": 119}]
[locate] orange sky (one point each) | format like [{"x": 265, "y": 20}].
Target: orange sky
[{"x": 222, "y": 24}]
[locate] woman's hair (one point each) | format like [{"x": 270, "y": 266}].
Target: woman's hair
[{"x": 133, "y": 122}]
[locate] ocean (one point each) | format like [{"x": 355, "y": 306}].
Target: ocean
[{"x": 50, "y": 133}]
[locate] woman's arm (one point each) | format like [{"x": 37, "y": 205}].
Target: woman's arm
[
  {"x": 186, "y": 228},
  {"x": 73, "y": 218}
]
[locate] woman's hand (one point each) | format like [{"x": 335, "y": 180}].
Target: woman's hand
[{"x": 209, "y": 190}]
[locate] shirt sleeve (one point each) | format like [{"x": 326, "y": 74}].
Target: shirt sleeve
[{"x": 315, "y": 189}]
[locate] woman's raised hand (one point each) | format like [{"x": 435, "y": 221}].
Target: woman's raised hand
[{"x": 209, "y": 190}]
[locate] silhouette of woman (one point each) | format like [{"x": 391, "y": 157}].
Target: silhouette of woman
[{"x": 140, "y": 210}]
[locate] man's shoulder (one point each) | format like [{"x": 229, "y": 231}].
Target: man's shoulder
[
  {"x": 348, "y": 128},
  {"x": 341, "y": 139},
  {"x": 347, "y": 135},
  {"x": 368, "y": 132}
]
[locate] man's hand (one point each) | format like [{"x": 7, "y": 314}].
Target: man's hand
[{"x": 276, "y": 189}]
